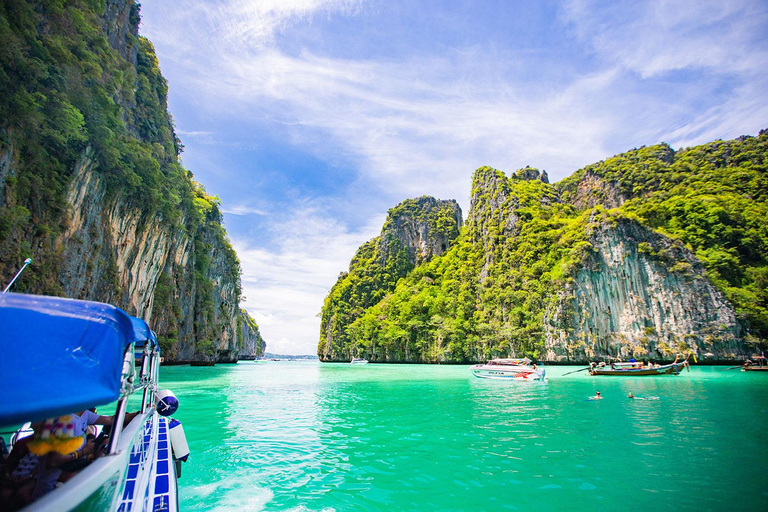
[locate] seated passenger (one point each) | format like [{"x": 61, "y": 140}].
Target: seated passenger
[
  {"x": 17, "y": 476},
  {"x": 62, "y": 433}
]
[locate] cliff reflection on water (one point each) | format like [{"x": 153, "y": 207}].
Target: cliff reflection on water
[{"x": 310, "y": 436}]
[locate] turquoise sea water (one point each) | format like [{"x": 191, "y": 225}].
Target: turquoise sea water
[{"x": 305, "y": 436}]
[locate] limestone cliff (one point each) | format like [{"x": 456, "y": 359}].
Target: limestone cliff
[
  {"x": 96, "y": 194},
  {"x": 414, "y": 232},
  {"x": 639, "y": 294},
  {"x": 424, "y": 226},
  {"x": 648, "y": 254}
]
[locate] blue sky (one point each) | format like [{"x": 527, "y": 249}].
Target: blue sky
[{"x": 310, "y": 118}]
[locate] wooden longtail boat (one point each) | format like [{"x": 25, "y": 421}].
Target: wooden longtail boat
[
  {"x": 637, "y": 369},
  {"x": 758, "y": 365}
]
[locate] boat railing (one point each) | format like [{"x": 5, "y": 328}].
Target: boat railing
[
  {"x": 147, "y": 383},
  {"x": 510, "y": 361}
]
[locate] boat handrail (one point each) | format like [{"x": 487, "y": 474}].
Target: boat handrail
[
  {"x": 509, "y": 361},
  {"x": 147, "y": 382}
]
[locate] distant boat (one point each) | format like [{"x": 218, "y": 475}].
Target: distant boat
[
  {"x": 509, "y": 369},
  {"x": 357, "y": 360},
  {"x": 637, "y": 368}
]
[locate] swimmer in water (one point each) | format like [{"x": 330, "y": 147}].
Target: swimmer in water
[{"x": 630, "y": 395}]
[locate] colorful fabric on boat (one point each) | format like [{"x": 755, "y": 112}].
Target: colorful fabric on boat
[{"x": 62, "y": 434}]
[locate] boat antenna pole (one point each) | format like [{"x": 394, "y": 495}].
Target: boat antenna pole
[{"x": 26, "y": 262}]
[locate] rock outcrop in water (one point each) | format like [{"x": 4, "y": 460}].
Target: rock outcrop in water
[
  {"x": 91, "y": 186},
  {"x": 649, "y": 254}
]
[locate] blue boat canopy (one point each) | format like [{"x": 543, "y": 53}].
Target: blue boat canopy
[
  {"x": 59, "y": 355},
  {"x": 142, "y": 332}
]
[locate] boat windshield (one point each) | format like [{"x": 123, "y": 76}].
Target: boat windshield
[{"x": 509, "y": 362}]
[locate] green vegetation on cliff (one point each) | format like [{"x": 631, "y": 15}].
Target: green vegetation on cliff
[
  {"x": 81, "y": 90},
  {"x": 380, "y": 263},
  {"x": 490, "y": 288},
  {"x": 65, "y": 88},
  {"x": 714, "y": 199},
  {"x": 489, "y": 295}
]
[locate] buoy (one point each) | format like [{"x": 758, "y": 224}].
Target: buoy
[
  {"x": 178, "y": 440},
  {"x": 167, "y": 403}
]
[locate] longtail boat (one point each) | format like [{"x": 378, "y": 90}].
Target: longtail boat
[
  {"x": 758, "y": 365},
  {"x": 637, "y": 368}
]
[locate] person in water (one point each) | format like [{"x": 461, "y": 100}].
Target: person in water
[
  {"x": 597, "y": 395},
  {"x": 630, "y": 395}
]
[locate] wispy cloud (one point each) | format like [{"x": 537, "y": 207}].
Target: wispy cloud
[
  {"x": 242, "y": 210},
  {"x": 285, "y": 283},
  {"x": 655, "y": 37},
  {"x": 191, "y": 28},
  {"x": 404, "y": 123},
  {"x": 722, "y": 46},
  {"x": 192, "y": 133}
]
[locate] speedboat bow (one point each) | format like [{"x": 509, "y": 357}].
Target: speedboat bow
[{"x": 509, "y": 369}]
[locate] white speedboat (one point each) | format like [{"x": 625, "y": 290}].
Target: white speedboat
[
  {"x": 509, "y": 369},
  {"x": 69, "y": 355},
  {"x": 357, "y": 360}
]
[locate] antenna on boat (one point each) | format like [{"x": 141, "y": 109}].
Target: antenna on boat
[{"x": 26, "y": 262}]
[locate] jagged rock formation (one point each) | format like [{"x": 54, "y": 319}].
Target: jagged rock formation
[
  {"x": 424, "y": 226},
  {"x": 649, "y": 254},
  {"x": 96, "y": 194},
  {"x": 639, "y": 294},
  {"x": 415, "y": 231}
]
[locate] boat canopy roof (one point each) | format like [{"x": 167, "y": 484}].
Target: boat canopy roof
[
  {"x": 60, "y": 355},
  {"x": 142, "y": 332}
]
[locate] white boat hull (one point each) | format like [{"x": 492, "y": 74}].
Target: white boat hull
[{"x": 514, "y": 373}]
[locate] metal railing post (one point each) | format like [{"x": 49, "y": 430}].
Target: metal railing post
[
  {"x": 146, "y": 368},
  {"x": 122, "y": 405}
]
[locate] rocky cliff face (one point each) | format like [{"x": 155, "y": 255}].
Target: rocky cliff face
[
  {"x": 96, "y": 237},
  {"x": 424, "y": 226},
  {"x": 578, "y": 271},
  {"x": 415, "y": 231},
  {"x": 639, "y": 294},
  {"x": 111, "y": 252},
  {"x": 252, "y": 344}
]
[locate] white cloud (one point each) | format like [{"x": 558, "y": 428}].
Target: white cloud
[
  {"x": 242, "y": 210},
  {"x": 410, "y": 126},
  {"x": 420, "y": 126},
  {"x": 191, "y": 28},
  {"x": 721, "y": 44},
  {"x": 285, "y": 284},
  {"x": 198, "y": 133},
  {"x": 658, "y": 36}
]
